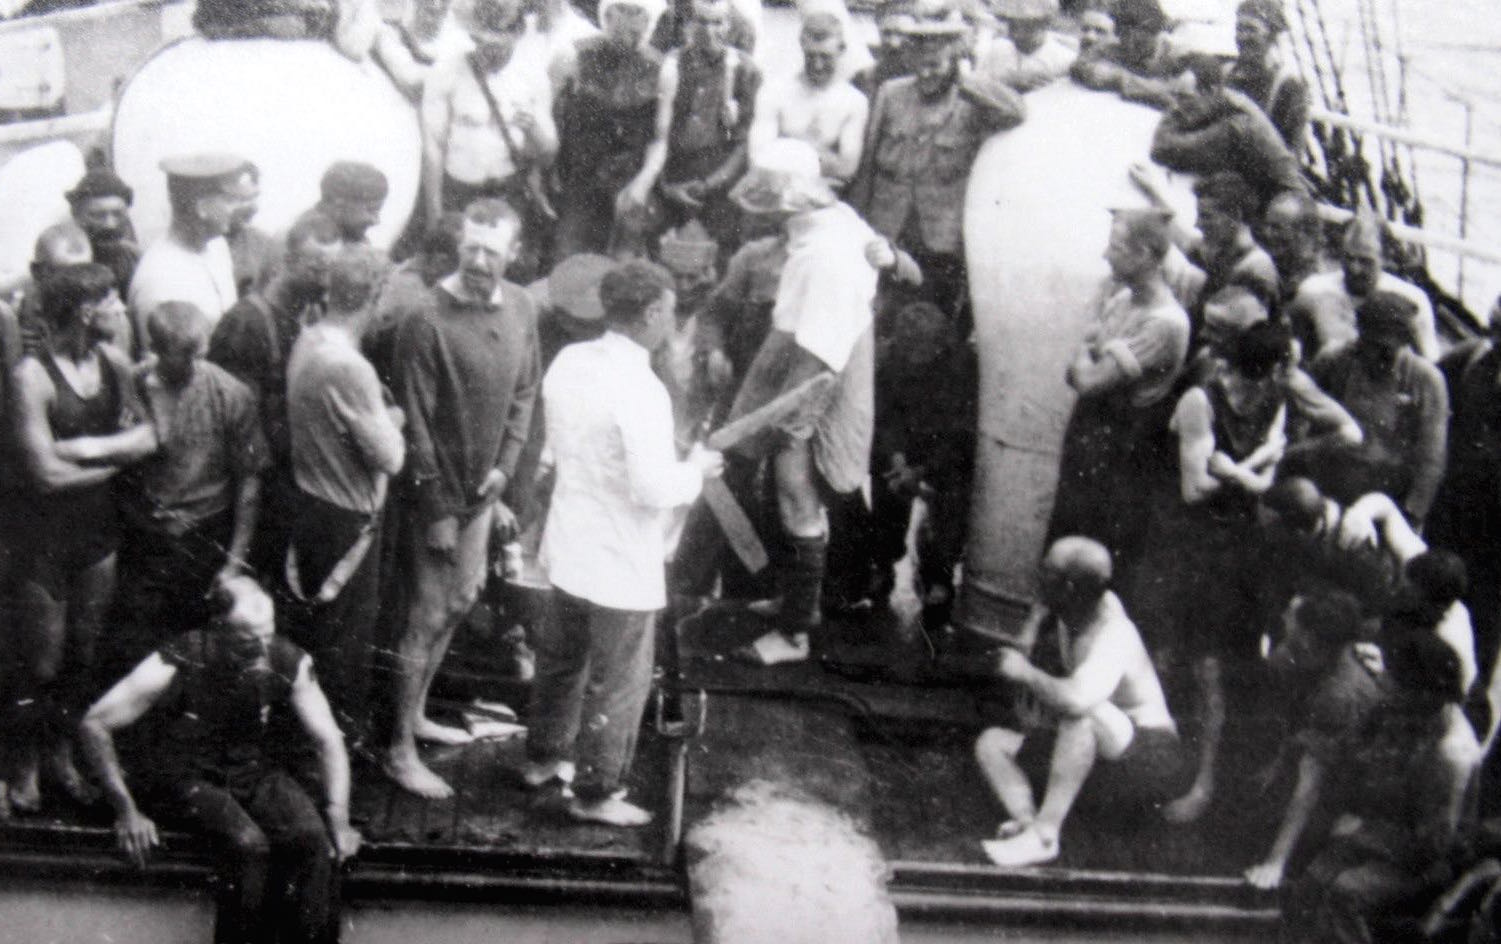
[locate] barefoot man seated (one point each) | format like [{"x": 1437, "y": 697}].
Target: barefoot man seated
[{"x": 1108, "y": 701}]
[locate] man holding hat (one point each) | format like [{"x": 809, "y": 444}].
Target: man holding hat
[
  {"x": 1033, "y": 55},
  {"x": 1261, "y": 74},
  {"x": 821, "y": 324},
  {"x": 100, "y": 205},
  {"x": 1400, "y": 402},
  {"x": 191, "y": 263},
  {"x": 920, "y": 144},
  {"x": 1323, "y": 311}
]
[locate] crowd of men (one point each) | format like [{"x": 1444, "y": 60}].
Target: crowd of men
[{"x": 232, "y": 458}]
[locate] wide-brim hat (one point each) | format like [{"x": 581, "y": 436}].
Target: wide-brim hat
[
  {"x": 1025, "y": 9},
  {"x": 936, "y": 19},
  {"x": 784, "y": 178},
  {"x": 489, "y": 19}
]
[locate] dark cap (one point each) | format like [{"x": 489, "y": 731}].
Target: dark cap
[
  {"x": 100, "y": 182},
  {"x": 353, "y": 180},
  {"x": 1386, "y": 314},
  {"x": 204, "y": 166},
  {"x": 1267, "y": 11},
  {"x": 1142, "y": 14}
]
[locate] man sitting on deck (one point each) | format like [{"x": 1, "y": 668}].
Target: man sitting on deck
[
  {"x": 1109, "y": 705},
  {"x": 213, "y": 772}
]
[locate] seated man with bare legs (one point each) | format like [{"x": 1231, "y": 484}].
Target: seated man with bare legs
[{"x": 1108, "y": 702}]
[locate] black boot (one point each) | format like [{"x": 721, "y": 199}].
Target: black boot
[
  {"x": 799, "y": 610},
  {"x": 801, "y": 585}
]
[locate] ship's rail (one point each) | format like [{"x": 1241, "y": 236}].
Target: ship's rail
[{"x": 1468, "y": 159}]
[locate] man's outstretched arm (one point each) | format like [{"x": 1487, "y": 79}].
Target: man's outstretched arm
[
  {"x": 120, "y": 707},
  {"x": 1268, "y": 873},
  {"x": 318, "y": 720}
]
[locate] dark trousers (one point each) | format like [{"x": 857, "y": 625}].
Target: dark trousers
[
  {"x": 339, "y": 634},
  {"x": 279, "y": 880},
  {"x": 945, "y": 283},
  {"x": 594, "y": 668},
  {"x": 164, "y": 581},
  {"x": 940, "y": 543},
  {"x": 1343, "y": 890}
]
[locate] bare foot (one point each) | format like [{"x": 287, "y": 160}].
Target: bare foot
[
  {"x": 25, "y": 790},
  {"x": 413, "y": 776},
  {"x": 62, "y": 772},
  {"x": 1012, "y": 827},
  {"x": 612, "y": 811},
  {"x": 536, "y": 775},
  {"x": 434, "y": 733},
  {"x": 1188, "y": 807},
  {"x": 774, "y": 648}
]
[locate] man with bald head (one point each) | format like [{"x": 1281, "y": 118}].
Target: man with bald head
[
  {"x": 1104, "y": 698},
  {"x": 1291, "y": 233},
  {"x": 1323, "y": 312}
]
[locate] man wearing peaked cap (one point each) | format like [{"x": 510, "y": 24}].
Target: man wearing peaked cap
[{"x": 191, "y": 262}]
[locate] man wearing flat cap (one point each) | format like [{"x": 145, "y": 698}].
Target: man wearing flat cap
[
  {"x": 920, "y": 144},
  {"x": 1260, "y": 72},
  {"x": 191, "y": 262},
  {"x": 100, "y": 205},
  {"x": 351, "y": 196},
  {"x": 1401, "y": 404}
]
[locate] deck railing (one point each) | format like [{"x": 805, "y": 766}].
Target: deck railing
[{"x": 1468, "y": 158}]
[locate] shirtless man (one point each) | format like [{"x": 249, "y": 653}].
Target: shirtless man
[
  {"x": 1109, "y": 705},
  {"x": 816, "y": 105}
]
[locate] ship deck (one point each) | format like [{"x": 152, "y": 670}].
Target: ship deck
[{"x": 872, "y": 739}]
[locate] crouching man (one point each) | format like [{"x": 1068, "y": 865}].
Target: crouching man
[
  {"x": 211, "y": 770},
  {"x": 1107, "y": 698}
]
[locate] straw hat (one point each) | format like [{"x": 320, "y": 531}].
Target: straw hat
[{"x": 784, "y": 178}]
